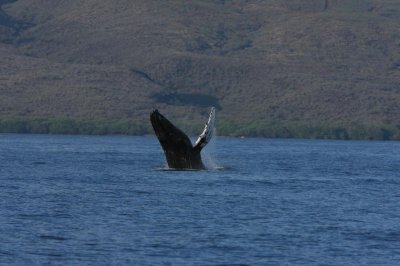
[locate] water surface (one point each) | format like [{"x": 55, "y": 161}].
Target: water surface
[{"x": 84, "y": 200}]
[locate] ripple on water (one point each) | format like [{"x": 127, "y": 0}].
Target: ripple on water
[{"x": 77, "y": 200}]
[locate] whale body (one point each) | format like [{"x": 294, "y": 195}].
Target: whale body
[{"x": 178, "y": 149}]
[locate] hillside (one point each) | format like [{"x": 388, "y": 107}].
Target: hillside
[{"x": 275, "y": 68}]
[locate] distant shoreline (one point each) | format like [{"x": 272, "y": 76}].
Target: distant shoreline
[{"x": 264, "y": 129}]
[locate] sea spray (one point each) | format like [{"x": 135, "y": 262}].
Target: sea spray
[{"x": 208, "y": 153}]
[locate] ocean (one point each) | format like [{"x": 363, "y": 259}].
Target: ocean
[{"x": 111, "y": 200}]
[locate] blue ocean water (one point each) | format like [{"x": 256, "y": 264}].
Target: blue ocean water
[{"x": 101, "y": 200}]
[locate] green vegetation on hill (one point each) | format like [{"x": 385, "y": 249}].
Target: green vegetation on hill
[
  {"x": 72, "y": 126},
  {"x": 225, "y": 128},
  {"x": 273, "y": 68}
]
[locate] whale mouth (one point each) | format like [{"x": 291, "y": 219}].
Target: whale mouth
[
  {"x": 157, "y": 118},
  {"x": 166, "y": 132},
  {"x": 160, "y": 124},
  {"x": 154, "y": 114}
]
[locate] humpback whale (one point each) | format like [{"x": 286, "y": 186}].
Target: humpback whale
[{"x": 178, "y": 149}]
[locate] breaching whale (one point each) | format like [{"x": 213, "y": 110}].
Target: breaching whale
[{"x": 178, "y": 149}]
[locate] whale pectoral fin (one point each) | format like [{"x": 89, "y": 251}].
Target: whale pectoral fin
[{"x": 207, "y": 133}]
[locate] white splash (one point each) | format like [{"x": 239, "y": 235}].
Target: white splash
[{"x": 207, "y": 154}]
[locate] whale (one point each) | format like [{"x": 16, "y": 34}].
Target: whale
[{"x": 179, "y": 151}]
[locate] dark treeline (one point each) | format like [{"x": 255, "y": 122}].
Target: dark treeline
[
  {"x": 312, "y": 131},
  {"x": 72, "y": 126},
  {"x": 224, "y": 128}
]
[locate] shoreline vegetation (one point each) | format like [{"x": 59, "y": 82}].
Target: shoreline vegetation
[{"x": 266, "y": 129}]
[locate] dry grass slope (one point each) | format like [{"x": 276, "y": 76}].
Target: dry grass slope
[{"x": 308, "y": 68}]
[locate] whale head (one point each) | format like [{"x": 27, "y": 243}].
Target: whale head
[{"x": 178, "y": 148}]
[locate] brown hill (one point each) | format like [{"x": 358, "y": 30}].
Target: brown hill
[{"x": 290, "y": 65}]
